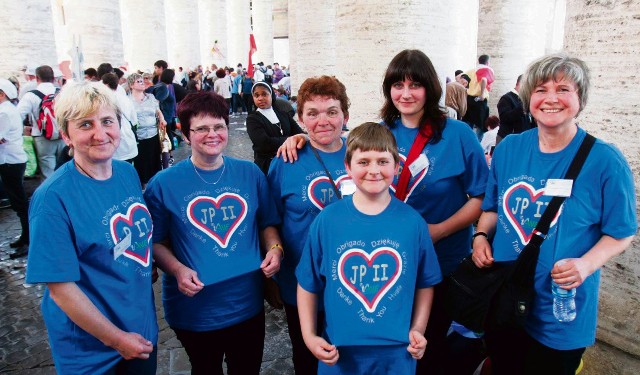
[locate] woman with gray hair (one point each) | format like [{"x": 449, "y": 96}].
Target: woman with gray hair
[
  {"x": 596, "y": 222},
  {"x": 91, "y": 244},
  {"x": 150, "y": 119}
]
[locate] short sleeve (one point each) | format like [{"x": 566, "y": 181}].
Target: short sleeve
[
  {"x": 490, "y": 201},
  {"x": 159, "y": 213},
  {"x": 53, "y": 256},
  {"x": 619, "y": 199},
  {"x": 429, "y": 273},
  {"x": 267, "y": 211},
  {"x": 476, "y": 169},
  {"x": 308, "y": 271},
  {"x": 274, "y": 178}
]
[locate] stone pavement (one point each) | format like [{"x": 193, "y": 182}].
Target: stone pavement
[{"x": 24, "y": 348}]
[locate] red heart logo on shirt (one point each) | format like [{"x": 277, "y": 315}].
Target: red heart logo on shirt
[
  {"x": 321, "y": 192},
  {"x": 218, "y": 217},
  {"x": 370, "y": 276},
  {"x": 524, "y": 207},
  {"x": 136, "y": 224}
]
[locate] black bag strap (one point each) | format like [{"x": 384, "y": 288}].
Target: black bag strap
[
  {"x": 326, "y": 171},
  {"x": 38, "y": 93},
  {"x": 541, "y": 230},
  {"x": 522, "y": 273}
]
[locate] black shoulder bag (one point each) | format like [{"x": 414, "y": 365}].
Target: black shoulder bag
[{"x": 501, "y": 296}]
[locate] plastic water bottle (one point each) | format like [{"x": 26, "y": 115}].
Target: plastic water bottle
[
  {"x": 564, "y": 301},
  {"x": 175, "y": 143}
]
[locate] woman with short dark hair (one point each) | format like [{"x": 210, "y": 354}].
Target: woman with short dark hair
[{"x": 215, "y": 239}]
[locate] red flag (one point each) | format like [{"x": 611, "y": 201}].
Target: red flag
[{"x": 252, "y": 50}]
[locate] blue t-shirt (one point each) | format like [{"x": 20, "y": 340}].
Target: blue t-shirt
[
  {"x": 98, "y": 235},
  {"x": 368, "y": 267},
  {"x": 602, "y": 202},
  {"x": 237, "y": 81},
  {"x": 214, "y": 230},
  {"x": 371, "y": 360},
  {"x": 301, "y": 190},
  {"x": 457, "y": 169}
]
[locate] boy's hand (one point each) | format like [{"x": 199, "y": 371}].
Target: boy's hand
[
  {"x": 417, "y": 344},
  {"x": 322, "y": 350}
]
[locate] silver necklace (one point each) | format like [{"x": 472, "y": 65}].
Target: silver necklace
[{"x": 205, "y": 181}]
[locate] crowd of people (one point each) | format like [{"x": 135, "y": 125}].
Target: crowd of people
[{"x": 354, "y": 237}]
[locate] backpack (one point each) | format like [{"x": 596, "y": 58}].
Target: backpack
[{"x": 46, "y": 117}]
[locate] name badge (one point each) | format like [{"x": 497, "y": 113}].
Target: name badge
[
  {"x": 347, "y": 187},
  {"x": 557, "y": 187},
  {"x": 122, "y": 246},
  {"x": 418, "y": 165}
]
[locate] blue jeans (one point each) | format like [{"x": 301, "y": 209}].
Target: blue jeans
[{"x": 236, "y": 101}]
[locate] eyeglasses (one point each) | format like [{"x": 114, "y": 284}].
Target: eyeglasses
[{"x": 205, "y": 130}]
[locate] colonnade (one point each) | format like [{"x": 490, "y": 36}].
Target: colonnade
[{"x": 134, "y": 33}]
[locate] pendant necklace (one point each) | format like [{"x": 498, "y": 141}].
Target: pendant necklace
[
  {"x": 83, "y": 171},
  {"x": 205, "y": 181}
]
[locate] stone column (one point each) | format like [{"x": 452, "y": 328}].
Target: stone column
[
  {"x": 143, "y": 33},
  {"x": 238, "y": 30},
  {"x": 294, "y": 72},
  {"x": 364, "y": 49},
  {"x": 27, "y": 37},
  {"x": 213, "y": 32},
  {"x": 262, "y": 16},
  {"x": 98, "y": 24},
  {"x": 183, "y": 35},
  {"x": 313, "y": 45},
  {"x": 512, "y": 33},
  {"x": 463, "y": 42},
  {"x": 606, "y": 34}
]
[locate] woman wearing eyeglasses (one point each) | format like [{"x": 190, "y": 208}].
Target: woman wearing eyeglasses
[
  {"x": 215, "y": 238},
  {"x": 150, "y": 118}
]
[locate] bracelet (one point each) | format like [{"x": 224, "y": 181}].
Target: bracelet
[
  {"x": 476, "y": 234},
  {"x": 277, "y": 245}
]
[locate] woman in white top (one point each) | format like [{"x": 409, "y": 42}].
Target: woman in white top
[
  {"x": 13, "y": 161},
  {"x": 222, "y": 86}
]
